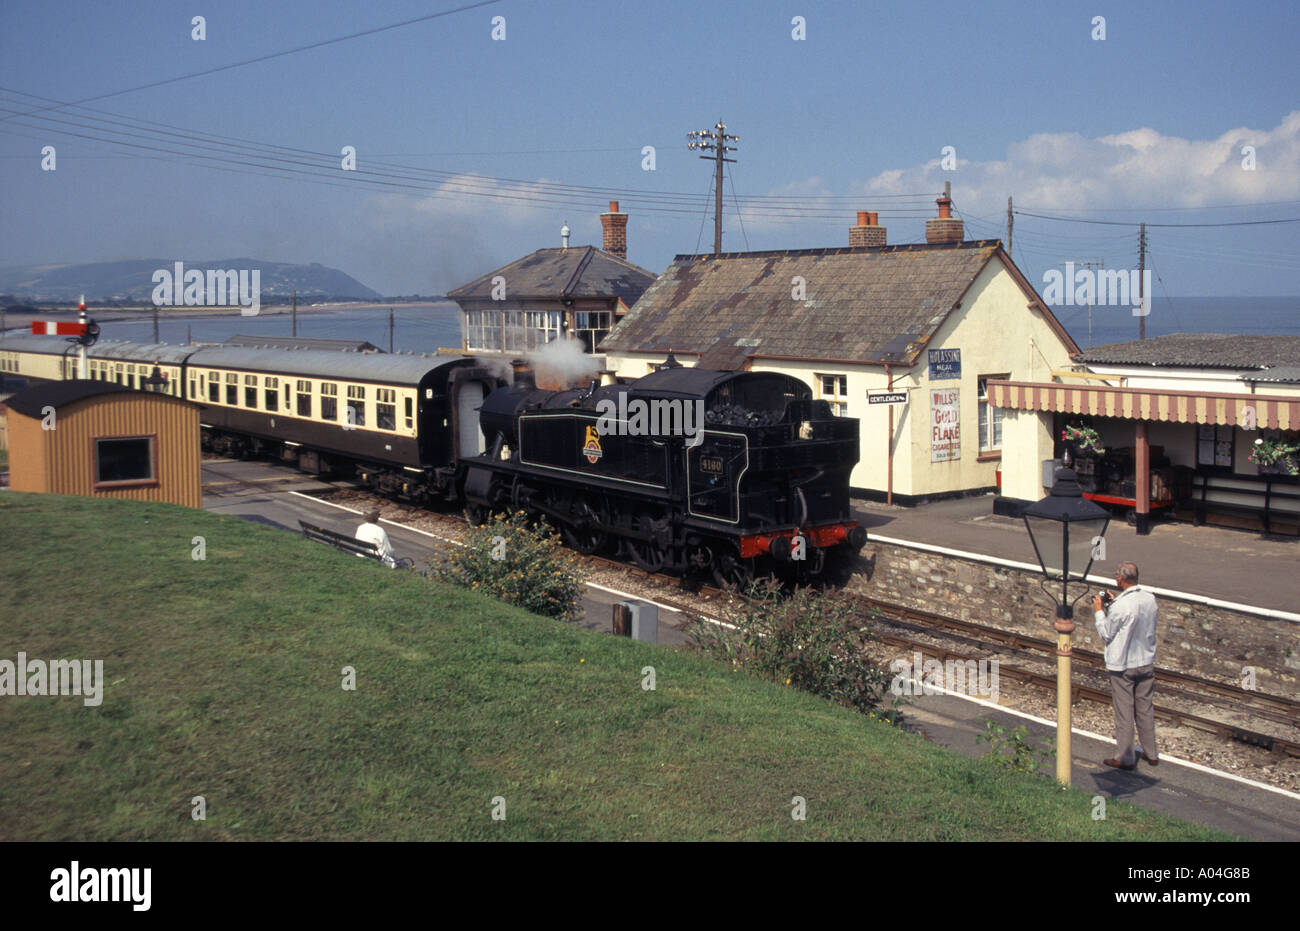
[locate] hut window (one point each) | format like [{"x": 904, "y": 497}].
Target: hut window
[
  {"x": 356, "y": 405},
  {"x": 121, "y": 460},
  {"x": 272, "y": 387},
  {"x": 329, "y": 401},
  {"x": 385, "y": 409},
  {"x": 304, "y": 398},
  {"x": 250, "y": 391}
]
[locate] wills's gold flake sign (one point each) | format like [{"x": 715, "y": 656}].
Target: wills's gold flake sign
[{"x": 945, "y": 425}]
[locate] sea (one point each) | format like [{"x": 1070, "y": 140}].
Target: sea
[{"x": 427, "y": 327}]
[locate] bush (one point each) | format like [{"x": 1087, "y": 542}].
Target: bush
[
  {"x": 1021, "y": 754},
  {"x": 809, "y": 640},
  {"x": 525, "y": 566}
]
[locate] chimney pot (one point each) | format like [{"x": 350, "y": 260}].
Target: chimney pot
[
  {"x": 864, "y": 218},
  {"x": 613, "y": 206},
  {"x": 868, "y": 232},
  {"x": 945, "y": 227}
]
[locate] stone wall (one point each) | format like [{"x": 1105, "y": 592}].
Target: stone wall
[{"x": 1211, "y": 642}]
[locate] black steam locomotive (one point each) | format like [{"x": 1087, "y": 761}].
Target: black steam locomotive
[{"x": 685, "y": 469}]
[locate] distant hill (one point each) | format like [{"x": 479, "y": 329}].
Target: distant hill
[{"x": 132, "y": 282}]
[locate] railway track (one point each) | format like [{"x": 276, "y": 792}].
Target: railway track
[{"x": 979, "y": 640}]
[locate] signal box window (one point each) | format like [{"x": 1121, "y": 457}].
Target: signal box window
[
  {"x": 124, "y": 461},
  {"x": 329, "y": 401},
  {"x": 835, "y": 390},
  {"x": 271, "y": 393},
  {"x": 304, "y": 398},
  {"x": 356, "y": 405}
]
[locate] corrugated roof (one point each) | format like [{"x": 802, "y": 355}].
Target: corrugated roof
[
  {"x": 57, "y": 394},
  {"x": 581, "y": 271},
  {"x": 1200, "y": 350},
  {"x": 302, "y": 342},
  {"x": 869, "y": 304},
  {"x": 379, "y": 367},
  {"x": 1277, "y": 374}
]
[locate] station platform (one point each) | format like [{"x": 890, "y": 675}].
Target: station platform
[{"x": 1238, "y": 566}]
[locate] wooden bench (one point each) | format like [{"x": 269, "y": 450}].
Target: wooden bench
[
  {"x": 1264, "y": 494},
  {"x": 346, "y": 543}
]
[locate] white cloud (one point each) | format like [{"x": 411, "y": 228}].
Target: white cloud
[{"x": 1139, "y": 167}]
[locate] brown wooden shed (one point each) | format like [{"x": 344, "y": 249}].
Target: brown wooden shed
[{"x": 102, "y": 439}]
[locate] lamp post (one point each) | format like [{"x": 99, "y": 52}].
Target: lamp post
[{"x": 1067, "y": 532}]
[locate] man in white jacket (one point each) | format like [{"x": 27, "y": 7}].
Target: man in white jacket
[
  {"x": 371, "y": 532},
  {"x": 1128, "y": 628}
]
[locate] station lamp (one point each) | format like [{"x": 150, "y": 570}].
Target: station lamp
[{"x": 1068, "y": 532}]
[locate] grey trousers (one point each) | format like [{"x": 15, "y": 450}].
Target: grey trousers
[{"x": 1130, "y": 693}]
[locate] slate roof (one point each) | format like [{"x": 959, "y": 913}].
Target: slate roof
[
  {"x": 863, "y": 304},
  {"x": 1201, "y": 350},
  {"x": 559, "y": 274},
  {"x": 58, "y": 394}
]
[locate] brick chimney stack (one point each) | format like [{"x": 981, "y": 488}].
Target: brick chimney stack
[
  {"x": 945, "y": 227},
  {"x": 615, "y": 227},
  {"x": 868, "y": 232}
]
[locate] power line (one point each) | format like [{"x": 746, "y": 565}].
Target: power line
[
  {"x": 1043, "y": 216},
  {"x": 259, "y": 58}
]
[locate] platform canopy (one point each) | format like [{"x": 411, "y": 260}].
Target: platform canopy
[{"x": 1152, "y": 404}]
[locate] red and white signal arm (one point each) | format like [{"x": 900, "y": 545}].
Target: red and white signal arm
[{"x": 51, "y": 328}]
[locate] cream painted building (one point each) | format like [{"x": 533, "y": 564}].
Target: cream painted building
[{"x": 932, "y": 323}]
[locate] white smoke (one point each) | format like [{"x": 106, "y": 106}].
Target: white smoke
[{"x": 564, "y": 361}]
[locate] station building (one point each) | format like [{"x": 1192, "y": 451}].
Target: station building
[
  {"x": 578, "y": 292},
  {"x": 927, "y": 326},
  {"x": 104, "y": 440},
  {"x": 1179, "y": 417}
]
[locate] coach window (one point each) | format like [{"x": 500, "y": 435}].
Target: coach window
[
  {"x": 834, "y": 389},
  {"x": 385, "y": 409},
  {"x": 124, "y": 461},
  {"x": 356, "y": 405},
  {"x": 250, "y": 391},
  {"x": 130, "y": 376},
  {"x": 304, "y": 398},
  {"x": 990, "y": 417},
  {"x": 232, "y": 388},
  {"x": 410, "y": 406},
  {"x": 271, "y": 389},
  {"x": 193, "y": 387},
  {"x": 118, "y": 374},
  {"x": 329, "y": 401}
]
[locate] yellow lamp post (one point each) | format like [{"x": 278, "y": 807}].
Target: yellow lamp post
[{"x": 1065, "y": 529}]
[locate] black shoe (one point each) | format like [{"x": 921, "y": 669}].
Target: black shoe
[{"x": 1154, "y": 761}]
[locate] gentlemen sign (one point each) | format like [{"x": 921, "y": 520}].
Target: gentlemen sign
[
  {"x": 886, "y": 397},
  {"x": 944, "y": 363},
  {"x": 945, "y": 425}
]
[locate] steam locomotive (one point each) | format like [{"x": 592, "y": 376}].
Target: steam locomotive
[{"x": 685, "y": 469}]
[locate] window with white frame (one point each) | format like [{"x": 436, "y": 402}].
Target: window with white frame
[
  {"x": 990, "y": 416},
  {"x": 835, "y": 390}
]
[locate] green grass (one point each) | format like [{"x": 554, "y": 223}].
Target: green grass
[{"x": 223, "y": 680}]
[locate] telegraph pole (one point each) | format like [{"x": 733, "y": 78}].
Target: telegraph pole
[
  {"x": 390, "y": 330},
  {"x": 715, "y": 141},
  {"x": 294, "y": 313},
  {"x": 155, "y": 322},
  {"x": 1010, "y": 223},
  {"x": 1098, "y": 264},
  {"x": 1142, "y": 283}
]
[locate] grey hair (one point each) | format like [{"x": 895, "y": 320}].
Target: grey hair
[{"x": 1127, "y": 571}]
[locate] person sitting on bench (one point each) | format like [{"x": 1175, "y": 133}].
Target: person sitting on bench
[{"x": 371, "y": 532}]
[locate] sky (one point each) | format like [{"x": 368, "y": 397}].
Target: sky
[{"x": 471, "y": 151}]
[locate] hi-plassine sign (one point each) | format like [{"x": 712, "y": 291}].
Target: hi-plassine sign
[{"x": 945, "y": 425}]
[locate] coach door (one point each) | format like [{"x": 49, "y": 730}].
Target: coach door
[{"x": 469, "y": 398}]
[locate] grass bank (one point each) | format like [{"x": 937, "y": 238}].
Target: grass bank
[{"x": 223, "y": 680}]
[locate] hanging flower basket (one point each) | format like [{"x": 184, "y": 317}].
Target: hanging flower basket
[
  {"x": 1276, "y": 457},
  {"x": 1085, "y": 441}
]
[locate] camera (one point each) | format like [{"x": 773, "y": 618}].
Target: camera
[{"x": 1106, "y": 598}]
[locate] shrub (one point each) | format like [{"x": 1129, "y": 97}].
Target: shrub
[
  {"x": 1024, "y": 756},
  {"x": 809, "y": 640},
  {"x": 521, "y": 564}
]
